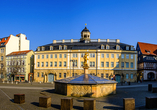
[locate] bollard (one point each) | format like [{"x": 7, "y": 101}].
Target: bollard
[
  {"x": 128, "y": 104},
  {"x": 154, "y": 89},
  {"x": 66, "y": 103},
  {"x": 151, "y": 102},
  {"x": 149, "y": 87},
  {"x": 89, "y": 104},
  {"x": 45, "y": 101},
  {"x": 19, "y": 98},
  {"x": 11, "y": 82}
]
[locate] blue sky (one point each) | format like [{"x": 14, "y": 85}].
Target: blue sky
[{"x": 43, "y": 21}]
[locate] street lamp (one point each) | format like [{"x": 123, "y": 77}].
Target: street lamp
[{"x": 73, "y": 64}]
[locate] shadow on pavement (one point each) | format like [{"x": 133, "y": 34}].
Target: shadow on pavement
[
  {"x": 35, "y": 103},
  {"x": 12, "y": 100},
  {"x": 113, "y": 108},
  {"x": 49, "y": 91},
  {"x": 77, "y": 108},
  {"x": 55, "y": 106}
]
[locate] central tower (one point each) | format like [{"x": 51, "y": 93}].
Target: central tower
[{"x": 85, "y": 35}]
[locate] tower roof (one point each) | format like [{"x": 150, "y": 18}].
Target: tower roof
[{"x": 85, "y": 30}]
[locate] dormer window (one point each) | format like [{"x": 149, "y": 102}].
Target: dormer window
[
  {"x": 127, "y": 47},
  {"x": 2, "y": 44},
  {"x": 38, "y": 48},
  {"x": 51, "y": 47},
  {"x": 60, "y": 47},
  {"x": 65, "y": 47},
  {"x": 132, "y": 48},
  {"x": 0, "y": 39},
  {"x": 117, "y": 47},
  {"x": 148, "y": 51},
  {"x": 5, "y": 39},
  {"x": 107, "y": 47},
  {"x": 102, "y": 46},
  {"x": 43, "y": 48}
]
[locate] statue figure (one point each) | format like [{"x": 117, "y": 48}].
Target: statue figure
[{"x": 85, "y": 59}]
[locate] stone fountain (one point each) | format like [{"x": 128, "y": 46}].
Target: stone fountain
[{"x": 85, "y": 84}]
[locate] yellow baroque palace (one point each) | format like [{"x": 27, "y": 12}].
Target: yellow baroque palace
[{"x": 108, "y": 58}]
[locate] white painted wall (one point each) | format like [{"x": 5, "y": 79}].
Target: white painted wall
[
  {"x": 24, "y": 43},
  {"x": 12, "y": 45}
]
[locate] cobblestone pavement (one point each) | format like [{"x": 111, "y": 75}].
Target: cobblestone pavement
[{"x": 111, "y": 102}]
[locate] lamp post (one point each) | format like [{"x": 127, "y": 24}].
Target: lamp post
[{"x": 73, "y": 64}]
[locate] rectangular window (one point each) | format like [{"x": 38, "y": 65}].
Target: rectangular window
[
  {"x": 107, "y": 55},
  {"x": 107, "y": 64},
  {"x": 122, "y": 56},
  {"x": 92, "y": 64},
  {"x": 117, "y": 64},
  {"x": 42, "y": 74},
  {"x": 102, "y": 64},
  {"x": 65, "y": 47},
  {"x": 102, "y": 55},
  {"x": 64, "y": 75},
  {"x": 127, "y": 76},
  {"x": 60, "y": 55},
  {"x": 65, "y": 64},
  {"x": 81, "y": 63},
  {"x": 55, "y": 64},
  {"x": 51, "y": 64},
  {"x": 112, "y": 64},
  {"x": 51, "y": 56},
  {"x": 106, "y": 75},
  {"x": 42, "y": 56},
  {"x": 60, "y": 64},
  {"x": 127, "y": 56},
  {"x": 47, "y": 56},
  {"x": 65, "y": 55},
  {"x": 122, "y": 64},
  {"x": 73, "y": 74},
  {"x": 55, "y": 55},
  {"x": 82, "y": 54},
  {"x": 42, "y": 64},
  {"x": 132, "y": 65},
  {"x": 38, "y": 64},
  {"x": 131, "y": 76},
  {"x": 38, "y": 74},
  {"x": 38, "y": 56},
  {"x": 46, "y": 64},
  {"x": 74, "y": 55},
  {"x": 127, "y": 64},
  {"x": 132, "y": 56},
  {"x": 92, "y": 55},
  {"x": 102, "y": 75},
  {"x": 112, "y": 55},
  {"x": 117, "y": 55},
  {"x": 60, "y": 75}
]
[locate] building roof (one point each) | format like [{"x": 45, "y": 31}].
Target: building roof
[
  {"x": 147, "y": 48},
  {"x": 88, "y": 79},
  {"x": 85, "y": 30},
  {"x": 19, "y": 53},
  {"x": 4, "y": 41}
]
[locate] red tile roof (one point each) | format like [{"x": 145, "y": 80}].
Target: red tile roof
[
  {"x": 19, "y": 53},
  {"x": 148, "y": 49}
]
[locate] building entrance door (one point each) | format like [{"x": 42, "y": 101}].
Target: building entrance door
[
  {"x": 50, "y": 77},
  {"x": 150, "y": 76},
  {"x": 118, "y": 77}
]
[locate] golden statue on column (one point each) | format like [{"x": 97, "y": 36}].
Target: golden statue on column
[{"x": 85, "y": 64}]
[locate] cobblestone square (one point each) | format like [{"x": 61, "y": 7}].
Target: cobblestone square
[{"x": 33, "y": 92}]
